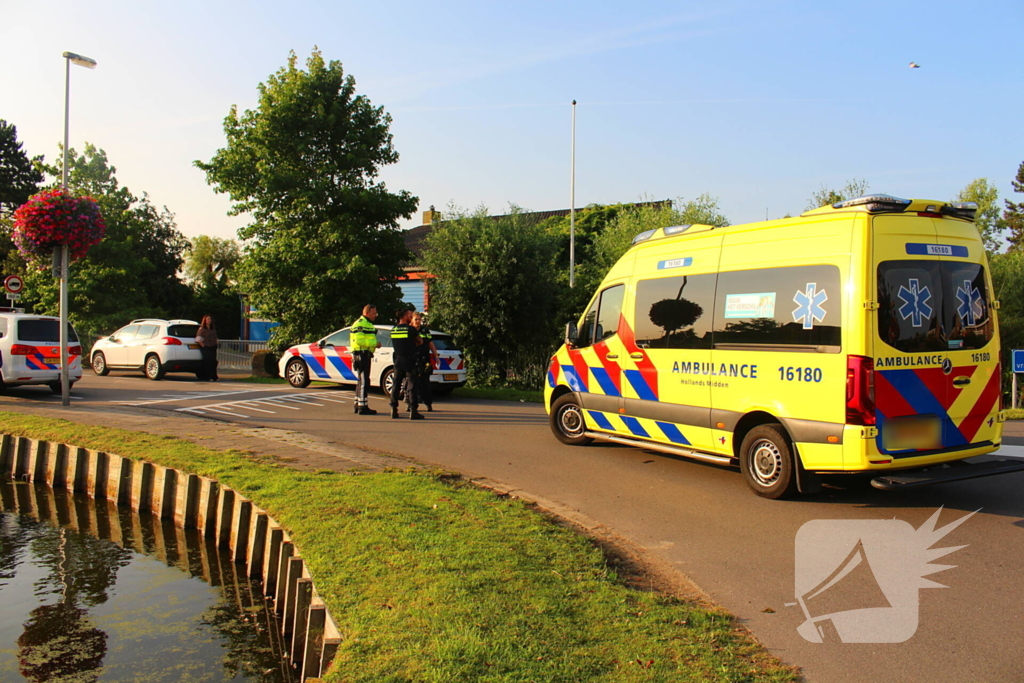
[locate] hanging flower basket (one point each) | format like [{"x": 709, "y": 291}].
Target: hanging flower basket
[{"x": 53, "y": 218}]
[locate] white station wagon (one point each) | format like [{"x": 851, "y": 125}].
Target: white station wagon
[{"x": 330, "y": 360}]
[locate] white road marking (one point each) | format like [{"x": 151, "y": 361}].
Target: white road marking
[
  {"x": 1007, "y": 451},
  {"x": 228, "y": 407},
  {"x": 185, "y": 397}
]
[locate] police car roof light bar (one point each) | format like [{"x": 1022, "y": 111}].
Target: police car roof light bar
[{"x": 875, "y": 203}]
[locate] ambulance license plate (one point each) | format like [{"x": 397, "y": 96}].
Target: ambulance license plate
[
  {"x": 912, "y": 433},
  {"x": 193, "y": 346},
  {"x": 451, "y": 378}
]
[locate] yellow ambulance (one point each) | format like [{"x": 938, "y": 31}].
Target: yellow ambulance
[{"x": 856, "y": 338}]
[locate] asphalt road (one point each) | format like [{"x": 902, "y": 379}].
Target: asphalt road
[{"x": 742, "y": 550}]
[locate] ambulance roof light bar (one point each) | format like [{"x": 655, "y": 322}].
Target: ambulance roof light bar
[
  {"x": 967, "y": 210},
  {"x": 645, "y": 235},
  {"x": 875, "y": 203}
]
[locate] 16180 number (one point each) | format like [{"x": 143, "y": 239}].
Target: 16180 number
[{"x": 800, "y": 374}]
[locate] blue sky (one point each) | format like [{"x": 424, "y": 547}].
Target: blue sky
[{"x": 757, "y": 103}]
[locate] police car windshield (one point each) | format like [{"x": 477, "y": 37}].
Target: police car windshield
[
  {"x": 43, "y": 331},
  {"x": 444, "y": 342},
  {"x": 933, "y": 306}
]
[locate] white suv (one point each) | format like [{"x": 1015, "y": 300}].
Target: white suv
[
  {"x": 30, "y": 350},
  {"x": 155, "y": 346}
]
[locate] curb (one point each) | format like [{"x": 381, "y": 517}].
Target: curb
[{"x": 253, "y": 538}]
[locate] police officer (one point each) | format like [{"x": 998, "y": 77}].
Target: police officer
[
  {"x": 425, "y": 362},
  {"x": 363, "y": 340},
  {"x": 404, "y": 339}
]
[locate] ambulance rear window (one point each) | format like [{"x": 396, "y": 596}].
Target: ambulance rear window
[{"x": 933, "y": 306}]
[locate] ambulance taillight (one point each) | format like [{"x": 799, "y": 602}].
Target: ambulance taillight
[{"x": 860, "y": 390}]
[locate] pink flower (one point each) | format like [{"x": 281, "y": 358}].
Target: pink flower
[{"x": 53, "y": 218}]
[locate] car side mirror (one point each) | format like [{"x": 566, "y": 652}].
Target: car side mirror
[{"x": 571, "y": 333}]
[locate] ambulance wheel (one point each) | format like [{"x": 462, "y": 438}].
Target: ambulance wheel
[
  {"x": 99, "y": 364},
  {"x": 154, "y": 369},
  {"x": 567, "y": 421},
  {"x": 297, "y": 373},
  {"x": 766, "y": 459}
]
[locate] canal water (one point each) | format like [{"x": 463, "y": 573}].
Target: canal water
[{"x": 92, "y": 592}]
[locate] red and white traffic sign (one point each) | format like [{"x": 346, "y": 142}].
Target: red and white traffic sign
[{"x": 13, "y": 284}]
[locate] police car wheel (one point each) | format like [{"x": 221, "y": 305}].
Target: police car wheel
[
  {"x": 387, "y": 381},
  {"x": 154, "y": 369},
  {"x": 766, "y": 459},
  {"x": 297, "y": 373},
  {"x": 99, "y": 364},
  {"x": 56, "y": 388},
  {"x": 567, "y": 421}
]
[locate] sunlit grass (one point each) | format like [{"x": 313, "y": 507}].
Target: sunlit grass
[{"x": 431, "y": 579}]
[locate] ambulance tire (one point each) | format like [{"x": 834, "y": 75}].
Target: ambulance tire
[
  {"x": 567, "y": 421},
  {"x": 766, "y": 459},
  {"x": 297, "y": 373}
]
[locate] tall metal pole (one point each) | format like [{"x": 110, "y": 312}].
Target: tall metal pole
[
  {"x": 65, "y": 385},
  {"x": 572, "y": 204}
]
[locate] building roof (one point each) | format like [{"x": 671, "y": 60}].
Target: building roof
[{"x": 416, "y": 238}]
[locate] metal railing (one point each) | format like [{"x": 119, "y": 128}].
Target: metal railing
[{"x": 237, "y": 353}]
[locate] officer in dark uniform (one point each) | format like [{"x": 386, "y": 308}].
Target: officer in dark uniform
[
  {"x": 425, "y": 363},
  {"x": 404, "y": 339}
]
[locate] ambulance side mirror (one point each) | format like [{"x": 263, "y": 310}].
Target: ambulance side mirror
[{"x": 571, "y": 333}]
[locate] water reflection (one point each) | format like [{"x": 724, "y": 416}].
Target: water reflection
[{"x": 92, "y": 592}]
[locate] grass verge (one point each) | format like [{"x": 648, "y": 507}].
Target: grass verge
[
  {"x": 434, "y": 580},
  {"x": 501, "y": 394},
  {"x": 1015, "y": 413}
]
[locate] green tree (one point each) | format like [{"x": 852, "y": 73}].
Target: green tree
[
  {"x": 496, "y": 291},
  {"x": 1008, "y": 281},
  {"x": 324, "y": 237},
  {"x": 826, "y": 196},
  {"x": 19, "y": 179},
  {"x": 617, "y": 238},
  {"x": 211, "y": 257},
  {"x": 133, "y": 272},
  {"x": 988, "y": 220},
  {"x": 1013, "y": 216}
]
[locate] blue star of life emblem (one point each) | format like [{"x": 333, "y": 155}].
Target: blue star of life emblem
[
  {"x": 915, "y": 303},
  {"x": 809, "y": 305},
  {"x": 971, "y": 307}
]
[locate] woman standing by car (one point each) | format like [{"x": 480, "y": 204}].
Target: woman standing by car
[{"x": 206, "y": 337}]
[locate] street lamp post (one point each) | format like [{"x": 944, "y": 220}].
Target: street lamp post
[
  {"x": 572, "y": 204},
  {"x": 62, "y": 258}
]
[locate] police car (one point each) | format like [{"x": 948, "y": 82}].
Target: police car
[
  {"x": 30, "y": 351},
  {"x": 330, "y": 360}
]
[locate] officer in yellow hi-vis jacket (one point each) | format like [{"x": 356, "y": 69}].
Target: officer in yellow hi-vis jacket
[{"x": 364, "y": 342}]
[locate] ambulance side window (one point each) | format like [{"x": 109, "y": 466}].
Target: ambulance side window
[
  {"x": 608, "y": 315},
  {"x": 782, "y": 308},
  {"x": 602, "y": 320},
  {"x": 675, "y": 312}
]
